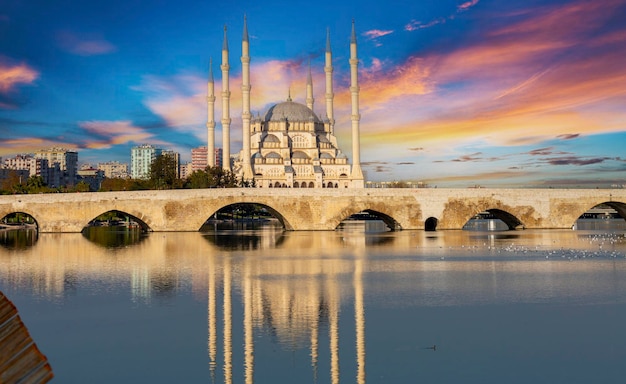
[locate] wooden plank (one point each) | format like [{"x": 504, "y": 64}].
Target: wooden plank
[
  {"x": 20, "y": 359},
  {"x": 7, "y": 309},
  {"x": 13, "y": 338}
]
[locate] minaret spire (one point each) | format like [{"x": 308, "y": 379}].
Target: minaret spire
[
  {"x": 328, "y": 69},
  {"x": 210, "y": 124},
  {"x": 309, "y": 89},
  {"x": 225, "y": 106},
  {"x": 245, "y": 91},
  {"x": 357, "y": 173}
]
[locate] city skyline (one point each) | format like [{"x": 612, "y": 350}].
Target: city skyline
[{"x": 457, "y": 93}]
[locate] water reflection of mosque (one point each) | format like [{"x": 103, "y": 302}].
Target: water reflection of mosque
[{"x": 293, "y": 298}]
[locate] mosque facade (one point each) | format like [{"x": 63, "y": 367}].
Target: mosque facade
[{"x": 289, "y": 146}]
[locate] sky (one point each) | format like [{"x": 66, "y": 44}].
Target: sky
[{"x": 485, "y": 93}]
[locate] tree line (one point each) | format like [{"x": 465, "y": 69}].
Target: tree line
[{"x": 163, "y": 174}]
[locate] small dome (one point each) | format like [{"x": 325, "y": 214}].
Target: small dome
[
  {"x": 291, "y": 111},
  {"x": 273, "y": 155},
  {"x": 271, "y": 139},
  {"x": 299, "y": 155},
  {"x": 322, "y": 139},
  {"x": 326, "y": 156}
]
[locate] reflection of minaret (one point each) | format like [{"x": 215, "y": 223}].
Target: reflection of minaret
[
  {"x": 247, "y": 324},
  {"x": 357, "y": 173},
  {"x": 228, "y": 326},
  {"x": 328, "y": 69},
  {"x": 225, "y": 106},
  {"x": 333, "y": 331},
  {"x": 314, "y": 292},
  {"x": 210, "y": 124},
  {"x": 359, "y": 321},
  {"x": 212, "y": 320},
  {"x": 245, "y": 91}
]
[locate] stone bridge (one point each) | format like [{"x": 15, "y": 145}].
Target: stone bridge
[{"x": 319, "y": 209}]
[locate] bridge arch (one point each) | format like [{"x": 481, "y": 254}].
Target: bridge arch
[
  {"x": 18, "y": 218},
  {"x": 510, "y": 220},
  {"x": 392, "y": 223},
  {"x": 131, "y": 219},
  {"x": 274, "y": 212},
  {"x": 619, "y": 207},
  {"x": 430, "y": 224}
]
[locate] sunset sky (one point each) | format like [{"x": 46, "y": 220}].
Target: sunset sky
[{"x": 454, "y": 93}]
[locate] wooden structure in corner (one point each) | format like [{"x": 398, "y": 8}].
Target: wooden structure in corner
[{"x": 20, "y": 359}]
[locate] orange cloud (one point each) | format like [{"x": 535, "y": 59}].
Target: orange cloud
[
  {"x": 29, "y": 145},
  {"x": 12, "y": 75},
  {"x": 530, "y": 81}
]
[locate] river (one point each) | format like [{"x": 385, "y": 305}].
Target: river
[{"x": 267, "y": 306}]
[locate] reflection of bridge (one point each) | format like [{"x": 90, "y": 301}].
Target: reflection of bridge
[{"x": 320, "y": 209}]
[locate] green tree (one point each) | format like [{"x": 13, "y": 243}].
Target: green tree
[
  {"x": 36, "y": 184},
  {"x": 164, "y": 173},
  {"x": 218, "y": 177},
  {"x": 198, "y": 179},
  {"x": 81, "y": 187}
]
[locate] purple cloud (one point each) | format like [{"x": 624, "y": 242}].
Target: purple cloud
[
  {"x": 84, "y": 45},
  {"x": 568, "y": 136}
]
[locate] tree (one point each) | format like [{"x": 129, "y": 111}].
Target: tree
[
  {"x": 216, "y": 177},
  {"x": 198, "y": 179},
  {"x": 13, "y": 183},
  {"x": 81, "y": 187},
  {"x": 164, "y": 173},
  {"x": 117, "y": 184}
]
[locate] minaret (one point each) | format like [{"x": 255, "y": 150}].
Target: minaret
[
  {"x": 309, "y": 90},
  {"x": 357, "y": 173},
  {"x": 328, "y": 69},
  {"x": 210, "y": 124},
  {"x": 245, "y": 91},
  {"x": 225, "y": 106}
]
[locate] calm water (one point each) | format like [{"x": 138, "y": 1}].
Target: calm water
[{"x": 324, "y": 307}]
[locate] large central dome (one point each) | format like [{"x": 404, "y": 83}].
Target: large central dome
[{"x": 291, "y": 111}]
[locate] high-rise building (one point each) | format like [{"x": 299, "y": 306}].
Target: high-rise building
[
  {"x": 62, "y": 166},
  {"x": 218, "y": 157},
  {"x": 141, "y": 158},
  {"x": 185, "y": 170},
  {"x": 34, "y": 166},
  {"x": 199, "y": 158},
  {"x": 114, "y": 169}
]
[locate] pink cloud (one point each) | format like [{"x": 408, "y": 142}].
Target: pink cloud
[
  {"x": 11, "y": 75},
  {"x": 376, "y": 33},
  {"x": 84, "y": 45},
  {"x": 467, "y": 5},
  {"x": 414, "y": 25},
  {"x": 116, "y": 132}
]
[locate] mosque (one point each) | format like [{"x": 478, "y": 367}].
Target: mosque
[{"x": 290, "y": 146}]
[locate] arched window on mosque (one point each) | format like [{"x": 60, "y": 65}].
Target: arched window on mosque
[{"x": 299, "y": 141}]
